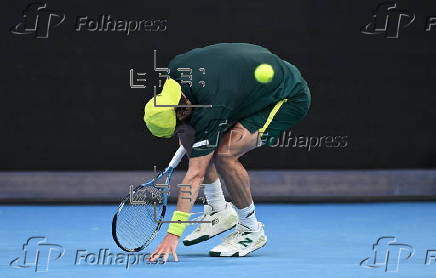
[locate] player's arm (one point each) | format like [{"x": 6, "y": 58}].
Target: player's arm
[{"x": 193, "y": 178}]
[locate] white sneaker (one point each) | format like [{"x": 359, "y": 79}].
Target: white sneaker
[
  {"x": 240, "y": 242},
  {"x": 220, "y": 221}
]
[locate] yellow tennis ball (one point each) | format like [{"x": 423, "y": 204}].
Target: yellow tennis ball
[{"x": 264, "y": 73}]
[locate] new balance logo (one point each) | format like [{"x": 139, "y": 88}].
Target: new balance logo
[
  {"x": 245, "y": 242},
  {"x": 37, "y": 21}
]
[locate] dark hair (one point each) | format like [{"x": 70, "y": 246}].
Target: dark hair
[{"x": 183, "y": 114}]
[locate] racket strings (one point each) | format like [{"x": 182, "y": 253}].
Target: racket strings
[{"x": 137, "y": 221}]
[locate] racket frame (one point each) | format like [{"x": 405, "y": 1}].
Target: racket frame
[{"x": 168, "y": 172}]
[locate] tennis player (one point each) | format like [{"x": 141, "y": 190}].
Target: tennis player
[{"x": 237, "y": 114}]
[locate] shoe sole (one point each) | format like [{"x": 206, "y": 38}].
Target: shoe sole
[
  {"x": 204, "y": 238},
  {"x": 218, "y": 254}
]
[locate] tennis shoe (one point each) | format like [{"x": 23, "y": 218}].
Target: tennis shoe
[
  {"x": 240, "y": 243},
  {"x": 218, "y": 222}
]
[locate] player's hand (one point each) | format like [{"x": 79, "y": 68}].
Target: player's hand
[{"x": 167, "y": 246}]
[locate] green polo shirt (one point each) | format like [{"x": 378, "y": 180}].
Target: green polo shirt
[{"x": 222, "y": 75}]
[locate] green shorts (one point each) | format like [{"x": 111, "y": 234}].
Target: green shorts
[{"x": 279, "y": 117}]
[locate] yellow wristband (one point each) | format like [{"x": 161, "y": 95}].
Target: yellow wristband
[{"x": 178, "y": 228}]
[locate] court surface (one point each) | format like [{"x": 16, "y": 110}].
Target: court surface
[{"x": 305, "y": 240}]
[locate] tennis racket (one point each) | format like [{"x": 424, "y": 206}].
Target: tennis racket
[{"x": 139, "y": 216}]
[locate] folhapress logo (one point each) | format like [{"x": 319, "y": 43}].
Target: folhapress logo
[
  {"x": 388, "y": 20},
  {"x": 387, "y": 254},
  {"x": 37, "y": 254},
  {"x": 38, "y": 20}
]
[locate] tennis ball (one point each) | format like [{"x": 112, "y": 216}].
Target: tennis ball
[{"x": 264, "y": 73}]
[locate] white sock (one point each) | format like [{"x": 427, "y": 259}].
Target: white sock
[
  {"x": 214, "y": 195},
  {"x": 247, "y": 217}
]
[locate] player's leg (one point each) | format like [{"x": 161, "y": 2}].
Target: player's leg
[
  {"x": 212, "y": 184},
  {"x": 249, "y": 234},
  {"x": 233, "y": 145},
  {"x": 222, "y": 215},
  {"x": 219, "y": 214},
  {"x": 244, "y": 137},
  {"x": 211, "y": 174},
  {"x": 213, "y": 190}
]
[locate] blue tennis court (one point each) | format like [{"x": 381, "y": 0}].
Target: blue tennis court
[{"x": 304, "y": 240}]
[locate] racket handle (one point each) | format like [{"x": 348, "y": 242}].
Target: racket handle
[{"x": 180, "y": 153}]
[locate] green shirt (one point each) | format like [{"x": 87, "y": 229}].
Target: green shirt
[{"x": 222, "y": 75}]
